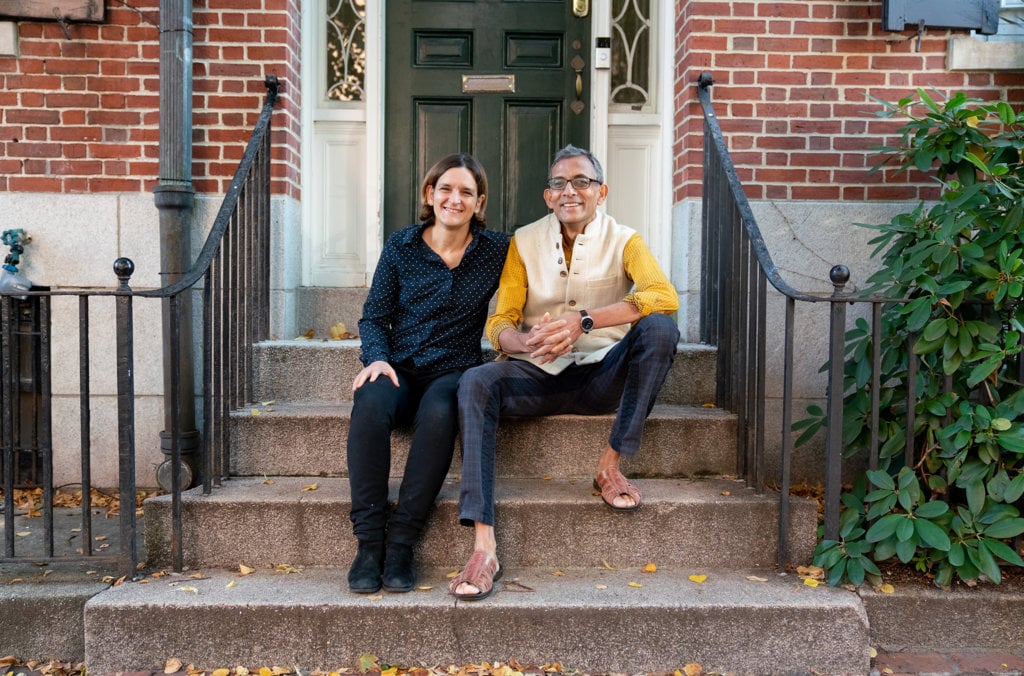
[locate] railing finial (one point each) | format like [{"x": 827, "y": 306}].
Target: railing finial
[
  {"x": 124, "y": 268},
  {"x": 839, "y": 275}
]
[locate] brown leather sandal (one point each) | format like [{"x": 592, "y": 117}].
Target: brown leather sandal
[
  {"x": 612, "y": 484},
  {"x": 482, "y": 572}
]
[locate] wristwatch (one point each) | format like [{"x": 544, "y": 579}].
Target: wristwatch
[{"x": 586, "y": 321}]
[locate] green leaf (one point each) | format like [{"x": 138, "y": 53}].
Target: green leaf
[
  {"x": 956, "y": 554},
  {"x": 1014, "y": 489},
  {"x": 932, "y": 509},
  {"x": 882, "y": 479},
  {"x": 905, "y": 529},
  {"x": 983, "y": 370},
  {"x": 976, "y": 496},
  {"x": 936, "y": 329},
  {"x": 931, "y": 535},
  {"x": 1005, "y": 528},
  {"x": 1004, "y": 552},
  {"x": 987, "y": 563},
  {"x": 905, "y": 550},
  {"x": 884, "y": 527}
]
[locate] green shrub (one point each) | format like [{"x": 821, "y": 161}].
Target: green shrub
[{"x": 954, "y": 507}]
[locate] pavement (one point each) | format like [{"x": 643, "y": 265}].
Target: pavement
[{"x": 936, "y": 664}]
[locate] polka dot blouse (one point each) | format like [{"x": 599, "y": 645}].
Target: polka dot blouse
[{"x": 423, "y": 316}]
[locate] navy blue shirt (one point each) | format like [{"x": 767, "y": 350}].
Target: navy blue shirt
[{"x": 421, "y": 315}]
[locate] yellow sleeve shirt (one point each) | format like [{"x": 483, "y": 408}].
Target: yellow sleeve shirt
[{"x": 652, "y": 291}]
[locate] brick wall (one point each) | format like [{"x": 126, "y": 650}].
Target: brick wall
[
  {"x": 82, "y": 114},
  {"x": 792, "y": 81}
]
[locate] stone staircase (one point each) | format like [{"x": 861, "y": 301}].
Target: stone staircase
[{"x": 573, "y": 590}]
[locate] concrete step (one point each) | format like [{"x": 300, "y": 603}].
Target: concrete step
[
  {"x": 558, "y": 522},
  {"x": 319, "y": 308},
  {"x": 323, "y": 370},
  {"x": 309, "y": 440},
  {"x": 589, "y": 619}
]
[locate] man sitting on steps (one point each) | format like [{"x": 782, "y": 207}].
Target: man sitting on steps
[{"x": 582, "y": 323}]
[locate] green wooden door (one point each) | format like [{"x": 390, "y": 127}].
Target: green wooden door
[{"x": 497, "y": 78}]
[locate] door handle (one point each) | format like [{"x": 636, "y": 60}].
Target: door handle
[
  {"x": 578, "y": 64},
  {"x": 580, "y": 8}
]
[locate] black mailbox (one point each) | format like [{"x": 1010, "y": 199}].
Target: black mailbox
[{"x": 979, "y": 15}]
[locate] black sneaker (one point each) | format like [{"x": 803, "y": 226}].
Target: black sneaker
[
  {"x": 399, "y": 571},
  {"x": 364, "y": 575}
]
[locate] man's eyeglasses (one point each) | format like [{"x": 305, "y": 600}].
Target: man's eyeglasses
[{"x": 578, "y": 182}]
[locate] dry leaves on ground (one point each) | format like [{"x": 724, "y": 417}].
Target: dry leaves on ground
[{"x": 29, "y": 501}]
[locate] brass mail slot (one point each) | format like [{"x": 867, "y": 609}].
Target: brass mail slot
[{"x": 482, "y": 84}]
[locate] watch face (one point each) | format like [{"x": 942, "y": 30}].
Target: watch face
[{"x": 587, "y": 323}]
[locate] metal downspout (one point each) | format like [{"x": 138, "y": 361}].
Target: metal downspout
[{"x": 175, "y": 200}]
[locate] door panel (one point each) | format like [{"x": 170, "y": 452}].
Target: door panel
[{"x": 491, "y": 77}]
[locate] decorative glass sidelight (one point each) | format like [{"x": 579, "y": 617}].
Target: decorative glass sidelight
[
  {"x": 632, "y": 58},
  {"x": 346, "y": 50}
]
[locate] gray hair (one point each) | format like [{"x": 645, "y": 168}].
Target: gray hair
[{"x": 571, "y": 151}]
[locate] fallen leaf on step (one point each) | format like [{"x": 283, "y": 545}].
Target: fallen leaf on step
[
  {"x": 367, "y": 662},
  {"x": 220, "y": 672},
  {"x": 607, "y": 565},
  {"x": 886, "y": 588},
  {"x": 424, "y": 587},
  {"x": 600, "y": 586},
  {"x": 23, "y": 533},
  {"x": 452, "y": 574},
  {"x": 197, "y": 576},
  {"x": 267, "y": 403},
  {"x": 287, "y": 568},
  {"x": 726, "y": 493},
  {"x": 649, "y": 568},
  {"x": 699, "y": 579},
  {"x": 708, "y": 405},
  {"x": 241, "y": 671},
  {"x": 558, "y": 573},
  {"x": 635, "y": 584},
  {"x": 254, "y": 411},
  {"x": 811, "y": 582},
  {"x": 229, "y": 585},
  {"x": 310, "y": 487},
  {"x": 693, "y": 669},
  {"x": 872, "y": 652},
  {"x": 815, "y": 572},
  {"x": 245, "y": 570},
  {"x": 391, "y": 671},
  {"x": 173, "y": 665},
  {"x": 266, "y": 672},
  {"x": 191, "y": 590},
  {"x": 755, "y": 578}
]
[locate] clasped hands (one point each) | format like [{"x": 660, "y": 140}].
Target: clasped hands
[{"x": 550, "y": 338}]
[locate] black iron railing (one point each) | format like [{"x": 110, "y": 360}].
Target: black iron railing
[
  {"x": 736, "y": 272},
  {"x": 234, "y": 268}
]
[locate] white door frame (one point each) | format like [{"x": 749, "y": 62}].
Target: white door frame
[{"x": 325, "y": 124}]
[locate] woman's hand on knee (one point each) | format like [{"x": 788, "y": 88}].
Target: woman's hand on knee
[{"x": 372, "y": 372}]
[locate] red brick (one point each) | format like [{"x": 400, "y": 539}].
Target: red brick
[
  {"x": 33, "y": 184},
  {"x": 66, "y": 134},
  {"x": 100, "y": 184},
  {"x": 62, "y": 167}
]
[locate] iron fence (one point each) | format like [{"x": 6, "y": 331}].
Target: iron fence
[
  {"x": 234, "y": 268},
  {"x": 737, "y": 270}
]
